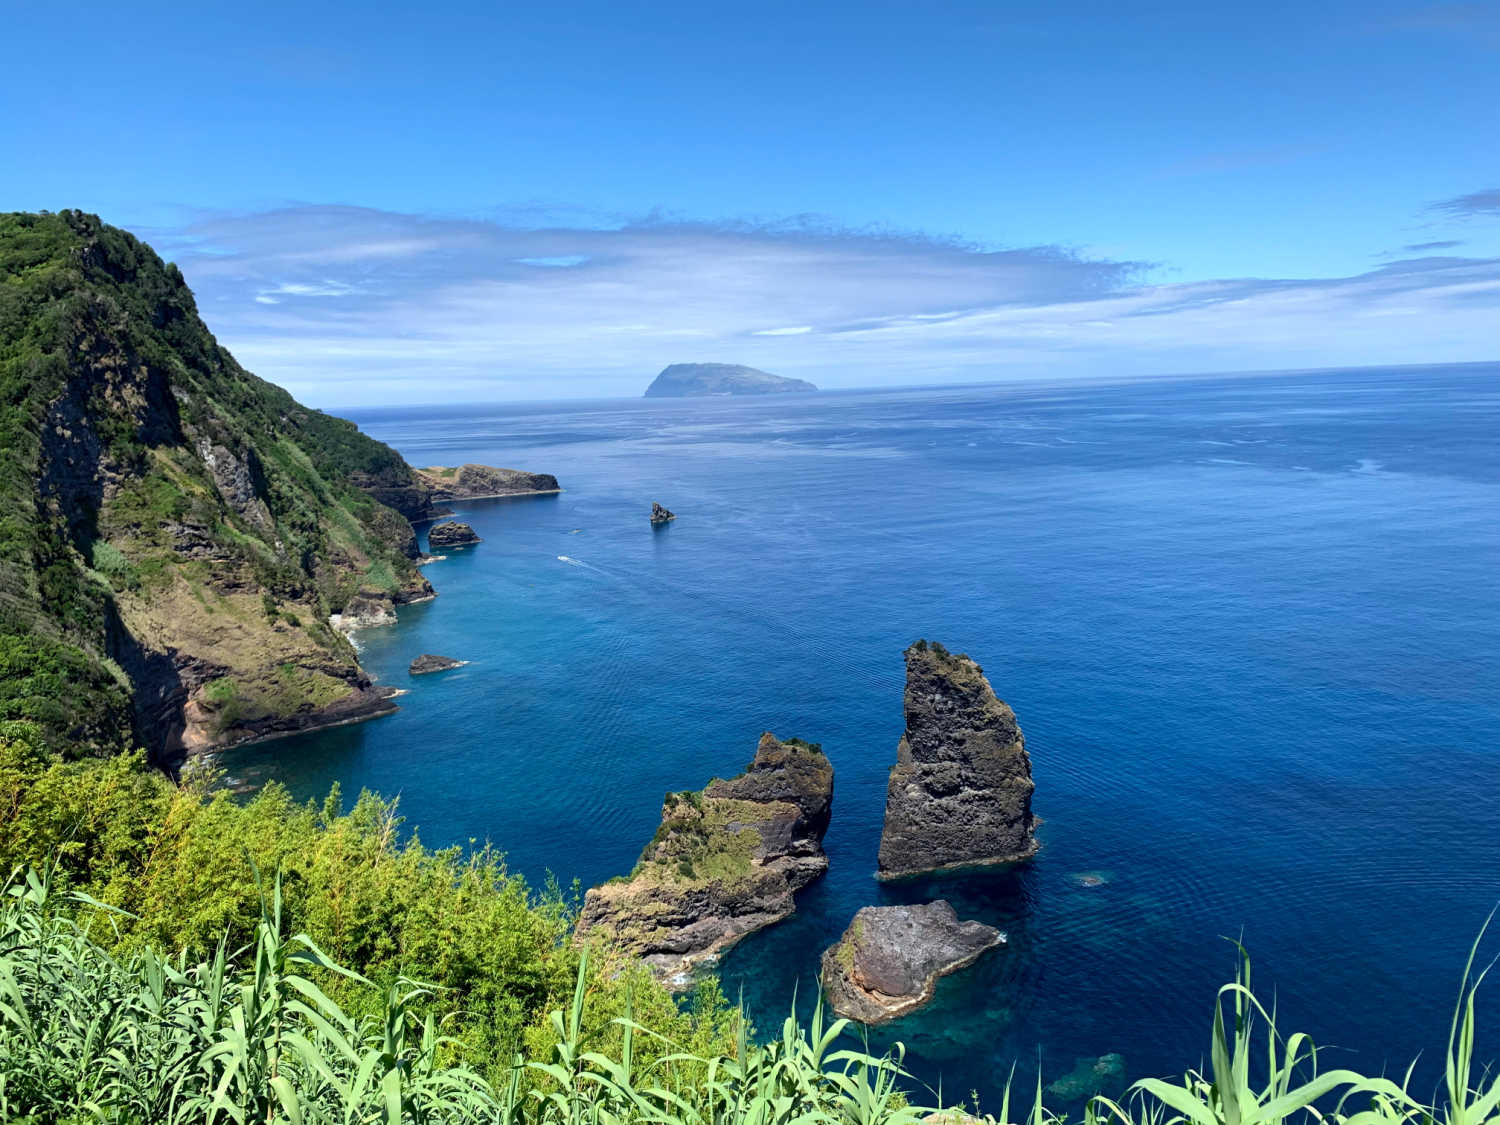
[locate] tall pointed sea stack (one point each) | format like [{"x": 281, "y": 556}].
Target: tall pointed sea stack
[{"x": 960, "y": 792}]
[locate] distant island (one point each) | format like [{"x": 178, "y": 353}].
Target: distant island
[{"x": 685, "y": 380}]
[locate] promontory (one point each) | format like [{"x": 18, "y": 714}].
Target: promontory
[
  {"x": 179, "y": 535},
  {"x": 691, "y": 380},
  {"x": 725, "y": 862},
  {"x": 960, "y": 792}
]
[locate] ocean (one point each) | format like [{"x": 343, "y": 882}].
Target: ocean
[{"x": 1250, "y": 627}]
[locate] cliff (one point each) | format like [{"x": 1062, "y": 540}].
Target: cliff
[
  {"x": 960, "y": 792},
  {"x": 725, "y": 862},
  {"x": 683, "y": 380},
  {"x": 174, "y": 532}
]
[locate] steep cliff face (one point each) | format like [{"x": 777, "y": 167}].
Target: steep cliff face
[
  {"x": 174, "y": 532},
  {"x": 725, "y": 862},
  {"x": 960, "y": 792}
]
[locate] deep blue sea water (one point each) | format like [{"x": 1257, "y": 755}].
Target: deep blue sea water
[{"x": 1250, "y": 627}]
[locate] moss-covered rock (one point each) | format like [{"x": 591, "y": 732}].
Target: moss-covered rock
[{"x": 726, "y": 861}]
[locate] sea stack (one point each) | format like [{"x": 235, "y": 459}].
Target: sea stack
[
  {"x": 960, "y": 792},
  {"x": 660, "y": 515},
  {"x": 890, "y": 958},
  {"x": 450, "y": 534},
  {"x": 725, "y": 862}
]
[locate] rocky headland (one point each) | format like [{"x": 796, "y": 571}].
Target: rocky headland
[
  {"x": 960, "y": 792},
  {"x": 660, "y": 515},
  {"x": 692, "y": 380},
  {"x": 726, "y": 861},
  {"x": 183, "y": 535},
  {"x": 451, "y": 534},
  {"x": 428, "y": 663},
  {"x": 890, "y": 958},
  {"x": 481, "y": 482}
]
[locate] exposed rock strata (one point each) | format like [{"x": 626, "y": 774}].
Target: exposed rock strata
[
  {"x": 725, "y": 862},
  {"x": 660, "y": 515},
  {"x": 451, "y": 534},
  {"x": 428, "y": 663},
  {"x": 890, "y": 958},
  {"x": 365, "y": 610},
  {"x": 482, "y": 482},
  {"x": 960, "y": 792}
]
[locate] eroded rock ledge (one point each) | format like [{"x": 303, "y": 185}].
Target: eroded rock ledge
[
  {"x": 726, "y": 861},
  {"x": 890, "y": 958},
  {"x": 960, "y": 792}
]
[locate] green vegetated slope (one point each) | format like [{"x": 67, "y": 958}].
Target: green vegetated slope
[
  {"x": 486, "y": 957},
  {"x": 174, "y": 532}
]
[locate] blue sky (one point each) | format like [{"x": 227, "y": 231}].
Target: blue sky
[{"x": 386, "y": 203}]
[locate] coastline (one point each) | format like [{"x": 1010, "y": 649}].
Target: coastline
[{"x": 487, "y": 496}]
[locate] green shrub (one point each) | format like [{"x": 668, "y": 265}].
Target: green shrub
[{"x": 260, "y": 1034}]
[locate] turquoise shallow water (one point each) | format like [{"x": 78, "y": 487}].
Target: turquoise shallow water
[{"x": 1250, "y": 628}]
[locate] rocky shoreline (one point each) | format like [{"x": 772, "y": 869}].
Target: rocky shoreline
[{"x": 358, "y": 707}]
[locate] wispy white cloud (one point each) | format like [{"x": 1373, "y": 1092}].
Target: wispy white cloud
[{"x": 455, "y": 308}]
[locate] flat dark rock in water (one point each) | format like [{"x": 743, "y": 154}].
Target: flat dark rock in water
[
  {"x": 960, "y": 792},
  {"x": 660, "y": 514},
  {"x": 451, "y": 534},
  {"x": 428, "y": 662},
  {"x": 890, "y": 958}
]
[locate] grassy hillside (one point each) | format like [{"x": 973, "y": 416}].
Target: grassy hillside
[{"x": 174, "y": 531}]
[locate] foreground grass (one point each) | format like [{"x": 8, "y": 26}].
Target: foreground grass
[
  {"x": 253, "y": 1035},
  {"x": 174, "y": 868},
  {"x": 152, "y": 976}
]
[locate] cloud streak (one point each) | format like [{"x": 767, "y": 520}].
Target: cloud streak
[
  {"x": 348, "y": 305},
  {"x": 1475, "y": 203}
]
